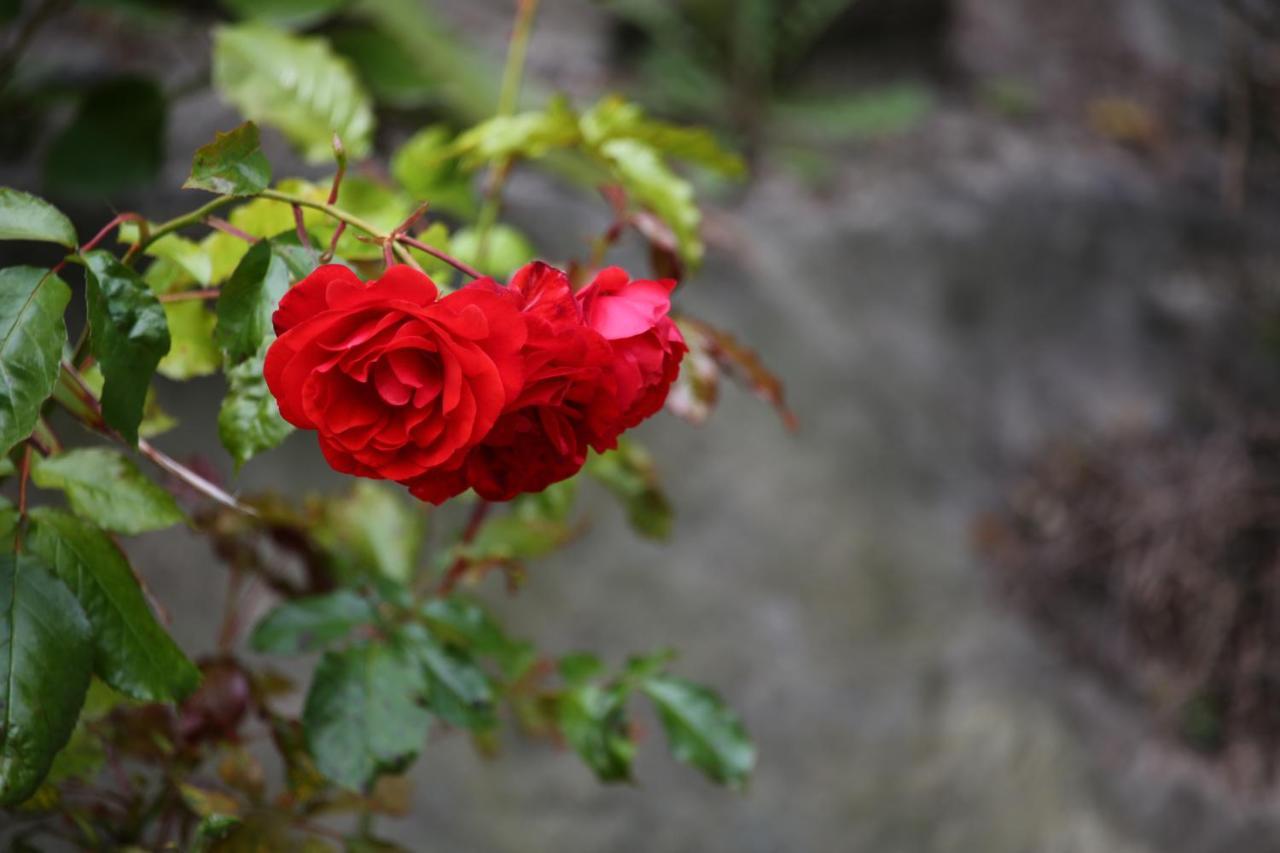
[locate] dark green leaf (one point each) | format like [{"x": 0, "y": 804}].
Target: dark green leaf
[
  {"x": 295, "y": 84},
  {"x": 364, "y": 713},
  {"x": 247, "y": 301},
  {"x": 106, "y": 488},
  {"x": 27, "y": 217},
  {"x": 311, "y": 623},
  {"x": 463, "y": 623},
  {"x": 116, "y": 140},
  {"x": 629, "y": 473},
  {"x": 457, "y": 690},
  {"x": 128, "y": 335},
  {"x": 249, "y": 421},
  {"x": 45, "y": 661},
  {"x": 233, "y": 164},
  {"x": 701, "y": 731},
  {"x": 131, "y": 652},
  {"x": 593, "y": 720},
  {"x": 32, "y": 334}
]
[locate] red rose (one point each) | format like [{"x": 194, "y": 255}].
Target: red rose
[
  {"x": 396, "y": 382},
  {"x": 647, "y": 346},
  {"x": 564, "y": 405}
]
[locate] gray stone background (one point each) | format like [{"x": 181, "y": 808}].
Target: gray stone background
[{"x": 949, "y": 302}]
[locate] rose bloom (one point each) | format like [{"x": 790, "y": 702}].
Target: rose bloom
[
  {"x": 396, "y": 381},
  {"x": 647, "y": 346},
  {"x": 565, "y": 405}
]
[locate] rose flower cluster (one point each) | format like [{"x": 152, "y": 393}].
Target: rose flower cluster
[{"x": 501, "y": 389}]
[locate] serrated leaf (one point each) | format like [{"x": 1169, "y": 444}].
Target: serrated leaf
[
  {"x": 629, "y": 473},
  {"x": 311, "y": 623},
  {"x": 128, "y": 335},
  {"x": 131, "y": 651},
  {"x": 647, "y": 179},
  {"x": 373, "y": 527},
  {"x": 458, "y": 691},
  {"x": 115, "y": 141},
  {"x": 45, "y": 660},
  {"x": 247, "y": 301},
  {"x": 32, "y": 334},
  {"x": 364, "y": 713},
  {"x": 27, "y": 217},
  {"x": 193, "y": 351},
  {"x": 233, "y": 164},
  {"x": 593, "y": 720},
  {"x": 249, "y": 420},
  {"x": 296, "y": 84},
  {"x": 701, "y": 730},
  {"x": 107, "y": 489}
]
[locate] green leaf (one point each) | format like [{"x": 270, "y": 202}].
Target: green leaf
[
  {"x": 593, "y": 720},
  {"x": 247, "y": 301},
  {"x": 32, "y": 334},
  {"x": 106, "y": 488},
  {"x": 155, "y": 420},
  {"x": 311, "y": 623},
  {"x": 647, "y": 179},
  {"x": 192, "y": 351},
  {"x": 131, "y": 651},
  {"x": 701, "y": 731},
  {"x": 233, "y": 164},
  {"x": 629, "y": 473},
  {"x": 295, "y": 84},
  {"x": 465, "y": 624},
  {"x": 580, "y": 667},
  {"x": 373, "y": 528},
  {"x": 45, "y": 661},
  {"x": 458, "y": 691},
  {"x": 183, "y": 262},
  {"x": 529, "y": 134},
  {"x": 364, "y": 713},
  {"x": 506, "y": 251},
  {"x": 426, "y": 167},
  {"x": 128, "y": 335},
  {"x": 614, "y": 117},
  {"x": 249, "y": 421},
  {"x": 115, "y": 142},
  {"x": 27, "y": 217}
]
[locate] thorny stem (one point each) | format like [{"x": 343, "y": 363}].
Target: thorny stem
[
  {"x": 217, "y": 223},
  {"x": 340, "y": 215},
  {"x": 162, "y": 460},
  {"x": 177, "y": 223},
  {"x": 460, "y": 266},
  {"x": 304, "y": 240},
  {"x": 340, "y": 154},
  {"x": 459, "y": 567}
]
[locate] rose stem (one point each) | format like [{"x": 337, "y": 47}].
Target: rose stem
[{"x": 459, "y": 567}]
